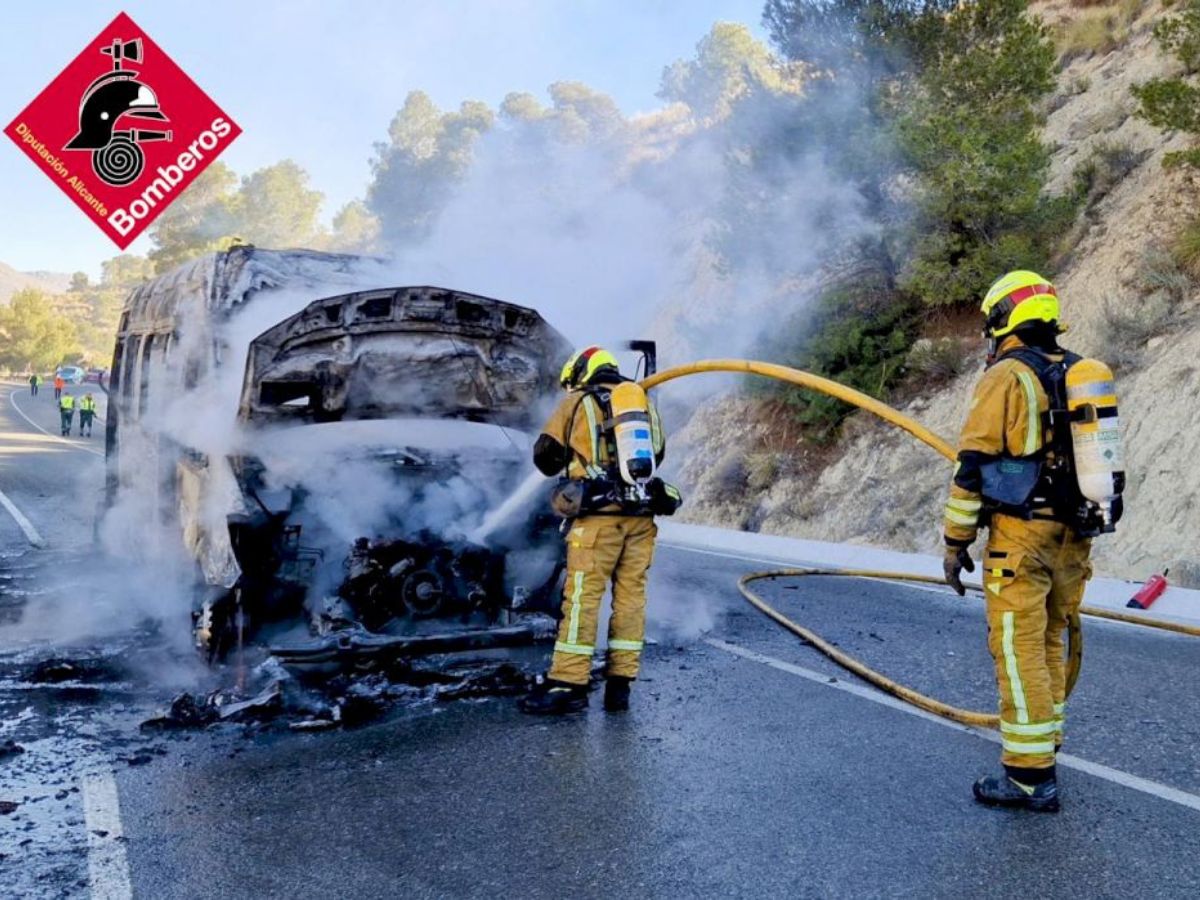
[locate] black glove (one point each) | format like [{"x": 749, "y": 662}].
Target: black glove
[
  {"x": 665, "y": 498},
  {"x": 955, "y": 560}
]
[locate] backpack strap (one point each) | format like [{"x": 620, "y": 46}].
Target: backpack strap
[{"x": 1052, "y": 374}]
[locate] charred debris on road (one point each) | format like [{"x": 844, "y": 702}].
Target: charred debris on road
[{"x": 279, "y": 699}]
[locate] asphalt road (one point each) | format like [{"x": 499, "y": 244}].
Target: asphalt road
[{"x": 748, "y": 766}]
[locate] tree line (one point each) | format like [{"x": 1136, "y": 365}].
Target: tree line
[{"x": 926, "y": 112}]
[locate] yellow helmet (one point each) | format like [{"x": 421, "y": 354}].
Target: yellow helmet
[
  {"x": 583, "y": 364},
  {"x": 1017, "y": 298}
]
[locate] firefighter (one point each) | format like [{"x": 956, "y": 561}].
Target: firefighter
[
  {"x": 609, "y": 530},
  {"x": 59, "y": 384},
  {"x": 66, "y": 409},
  {"x": 1015, "y": 475},
  {"x": 87, "y": 411}
]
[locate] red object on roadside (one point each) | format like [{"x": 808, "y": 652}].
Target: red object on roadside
[{"x": 1151, "y": 591}]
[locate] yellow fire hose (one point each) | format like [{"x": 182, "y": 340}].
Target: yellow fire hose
[{"x": 863, "y": 401}]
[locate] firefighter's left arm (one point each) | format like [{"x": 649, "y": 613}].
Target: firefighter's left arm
[{"x": 550, "y": 453}]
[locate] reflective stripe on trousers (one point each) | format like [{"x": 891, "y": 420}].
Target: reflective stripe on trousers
[
  {"x": 1034, "y": 573},
  {"x": 601, "y": 549}
]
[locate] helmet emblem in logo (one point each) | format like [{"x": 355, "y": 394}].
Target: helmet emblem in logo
[{"x": 118, "y": 97}]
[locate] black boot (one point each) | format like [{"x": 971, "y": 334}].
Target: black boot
[
  {"x": 616, "y": 693},
  {"x": 554, "y": 698},
  {"x": 1035, "y": 789}
]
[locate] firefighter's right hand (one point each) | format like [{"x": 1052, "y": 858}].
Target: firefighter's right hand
[{"x": 955, "y": 560}]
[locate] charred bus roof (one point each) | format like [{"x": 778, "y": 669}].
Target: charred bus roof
[
  {"x": 216, "y": 283},
  {"x": 417, "y": 352}
]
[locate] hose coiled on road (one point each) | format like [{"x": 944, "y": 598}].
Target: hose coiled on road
[{"x": 921, "y": 433}]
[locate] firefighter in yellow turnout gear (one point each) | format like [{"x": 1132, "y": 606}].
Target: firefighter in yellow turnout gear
[
  {"x": 609, "y": 498},
  {"x": 1015, "y": 473}
]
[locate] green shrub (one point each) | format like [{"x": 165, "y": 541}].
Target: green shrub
[
  {"x": 859, "y": 335},
  {"x": 1107, "y": 165},
  {"x": 1160, "y": 272},
  {"x": 1174, "y": 103},
  {"x": 1130, "y": 323},
  {"x": 1154, "y": 308},
  {"x": 1100, "y": 31},
  {"x": 937, "y": 360},
  {"x": 1180, "y": 35},
  {"x": 761, "y": 471},
  {"x": 1088, "y": 35},
  {"x": 1186, "y": 249}
]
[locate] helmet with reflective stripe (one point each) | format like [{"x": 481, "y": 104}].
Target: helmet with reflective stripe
[
  {"x": 1017, "y": 298},
  {"x": 583, "y": 366}
]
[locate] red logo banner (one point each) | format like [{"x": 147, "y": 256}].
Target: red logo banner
[{"x": 122, "y": 130}]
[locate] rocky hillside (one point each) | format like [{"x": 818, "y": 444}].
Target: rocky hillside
[
  {"x": 1124, "y": 301},
  {"x": 12, "y": 281}
]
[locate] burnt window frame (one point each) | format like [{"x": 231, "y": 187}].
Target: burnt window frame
[
  {"x": 133, "y": 343},
  {"x": 144, "y": 361},
  {"x": 114, "y": 375}
]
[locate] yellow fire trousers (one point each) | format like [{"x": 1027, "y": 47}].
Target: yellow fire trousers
[
  {"x": 600, "y": 549},
  {"x": 1034, "y": 573}
]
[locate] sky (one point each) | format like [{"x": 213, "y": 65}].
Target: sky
[{"x": 318, "y": 82}]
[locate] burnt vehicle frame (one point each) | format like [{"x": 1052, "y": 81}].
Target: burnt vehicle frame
[{"x": 346, "y": 355}]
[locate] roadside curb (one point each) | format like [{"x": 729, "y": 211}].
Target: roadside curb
[{"x": 1176, "y": 604}]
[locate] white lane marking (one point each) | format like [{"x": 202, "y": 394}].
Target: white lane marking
[
  {"x": 108, "y": 866},
  {"x": 12, "y": 398},
  {"x": 1067, "y": 760},
  {"x": 31, "y": 533},
  {"x": 839, "y": 683}
]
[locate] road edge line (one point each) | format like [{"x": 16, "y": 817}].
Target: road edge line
[
  {"x": 31, "y": 533},
  {"x": 108, "y": 864},
  {"x": 1066, "y": 760}
]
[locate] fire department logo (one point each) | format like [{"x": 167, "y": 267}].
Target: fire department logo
[{"x": 122, "y": 130}]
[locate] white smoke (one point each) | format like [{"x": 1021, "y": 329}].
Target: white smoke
[{"x": 606, "y": 240}]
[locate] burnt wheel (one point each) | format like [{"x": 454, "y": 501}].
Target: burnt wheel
[{"x": 423, "y": 593}]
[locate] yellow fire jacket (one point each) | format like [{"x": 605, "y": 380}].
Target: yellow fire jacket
[
  {"x": 585, "y": 451},
  {"x": 1005, "y": 418}
]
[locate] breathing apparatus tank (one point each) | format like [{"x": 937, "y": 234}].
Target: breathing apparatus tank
[
  {"x": 632, "y": 433},
  {"x": 1095, "y": 434}
]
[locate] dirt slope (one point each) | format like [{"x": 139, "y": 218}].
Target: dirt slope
[{"x": 887, "y": 490}]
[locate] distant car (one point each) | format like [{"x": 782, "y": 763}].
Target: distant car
[
  {"x": 70, "y": 374},
  {"x": 96, "y": 376}
]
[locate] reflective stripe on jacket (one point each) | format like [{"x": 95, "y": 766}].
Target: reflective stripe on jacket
[
  {"x": 589, "y": 451},
  {"x": 1005, "y": 419}
]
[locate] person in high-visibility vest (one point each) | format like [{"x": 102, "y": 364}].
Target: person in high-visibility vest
[
  {"x": 59, "y": 384},
  {"x": 66, "y": 408},
  {"x": 87, "y": 410}
]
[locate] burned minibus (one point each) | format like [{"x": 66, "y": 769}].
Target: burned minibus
[{"x": 344, "y": 463}]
